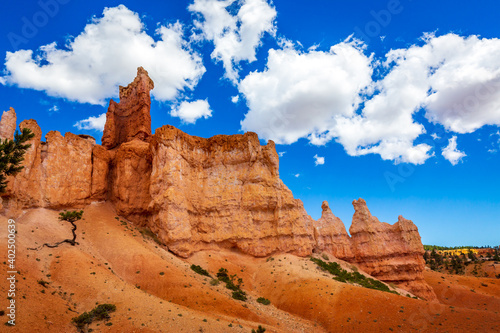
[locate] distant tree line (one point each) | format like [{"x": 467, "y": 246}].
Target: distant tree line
[
  {"x": 455, "y": 263},
  {"x": 444, "y": 248}
]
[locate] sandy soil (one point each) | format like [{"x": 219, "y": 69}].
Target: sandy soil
[{"x": 155, "y": 291}]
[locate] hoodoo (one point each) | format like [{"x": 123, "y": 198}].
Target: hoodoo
[
  {"x": 130, "y": 119},
  {"x": 196, "y": 193},
  {"x": 391, "y": 253}
]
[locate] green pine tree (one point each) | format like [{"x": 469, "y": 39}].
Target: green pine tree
[{"x": 12, "y": 154}]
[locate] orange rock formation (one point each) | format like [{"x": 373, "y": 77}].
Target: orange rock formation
[
  {"x": 130, "y": 119},
  {"x": 391, "y": 253},
  {"x": 198, "y": 193},
  {"x": 8, "y": 124},
  {"x": 223, "y": 191},
  {"x": 331, "y": 235}
]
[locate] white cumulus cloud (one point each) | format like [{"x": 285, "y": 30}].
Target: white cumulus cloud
[
  {"x": 464, "y": 77},
  {"x": 92, "y": 123},
  {"x": 190, "y": 112},
  {"x": 451, "y": 153},
  {"x": 235, "y": 37},
  {"x": 104, "y": 55},
  {"x": 303, "y": 94},
  {"x": 318, "y": 160},
  {"x": 456, "y": 79},
  {"x": 324, "y": 96}
]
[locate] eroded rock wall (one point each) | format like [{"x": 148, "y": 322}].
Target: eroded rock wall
[
  {"x": 24, "y": 190},
  {"x": 130, "y": 119},
  {"x": 130, "y": 172},
  {"x": 331, "y": 235},
  {"x": 391, "y": 253},
  {"x": 8, "y": 124},
  {"x": 64, "y": 171},
  {"x": 198, "y": 193},
  {"x": 223, "y": 191}
]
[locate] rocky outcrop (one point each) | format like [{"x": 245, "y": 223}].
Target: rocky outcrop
[
  {"x": 196, "y": 193},
  {"x": 63, "y": 171},
  {"x": 223, "y": 191},
  {"x": 66, "y": 169},
  {"x": 100, "y": 171},
  {"x": 391, "y": 253},
  {"x": 130, "y": 172},
  {"x": 8, "y": 124},
  {"x": 130, "y": 119},
  {"x": 331, "y": 236},
  {"x": 24, "y": 190}
]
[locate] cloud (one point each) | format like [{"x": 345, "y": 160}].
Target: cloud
[
  {"x": 92, "y": 123},
  {"x": 495, "y": 142},
  {"x": 464, "y": 80},
  {"x": 106, "y": 54},
  {"x": 55, "y": 108},
  {"x": 235, "y": 37},
  {"x": 190, "y": 112},
  {"x": 455, "y": 79},
  {"x": 325, "y": 96},
  {"x": 318, "y": 160},
  {"x": 319, "y": 99},
  {"x": 451, "y": 153},
  {"x": 435, "y": 136},
  {"x": 297, "y": 175},
  {"x": 281, "y": 153},
  {"x": 235, "y": 99},
  {"x": 302, "y": 94}
]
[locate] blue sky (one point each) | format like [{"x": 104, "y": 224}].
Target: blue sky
[{"x": 397, "y": 102}]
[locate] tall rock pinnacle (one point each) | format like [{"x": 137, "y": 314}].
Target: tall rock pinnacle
[
  {"x": 130, "y": 119},
  {"x": 8, "y": 124},
  {"x": 202, "y": 193}
]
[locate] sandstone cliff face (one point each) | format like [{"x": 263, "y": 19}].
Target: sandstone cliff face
[
  {"x": 223, "y": 191},
  {"x": 198, "y": 193},
  {"x": 8, "y": 124},
  {"x": 130, "y": 172},
  {"x": 391, "y": 253},
  {"x": 68, "y": 171},
  {"x": 24, "y": 190},
  {"x": 100, "y": 171},
  {"x": 130, "y": 119},
  {"x": 331, "y": 236}
]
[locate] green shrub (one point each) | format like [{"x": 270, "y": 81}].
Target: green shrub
[
  {"x": 71, "y": 216},
  {"x": 355, "y": 277},
  {"x": 100, "y": 312},
  {"x": 240, "y": 295},
  {"x": 223, "y": 276},
  {"x": 148, "y": 233},
  {"x": 214, "y": 282},
  {"x": 260, "y": 329},
  {"x": 12, "y": 155},
  {"x": 43, "y": 283},
  {"x": 263, "y": 300},
  {"x": 199, "y": 270}
]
